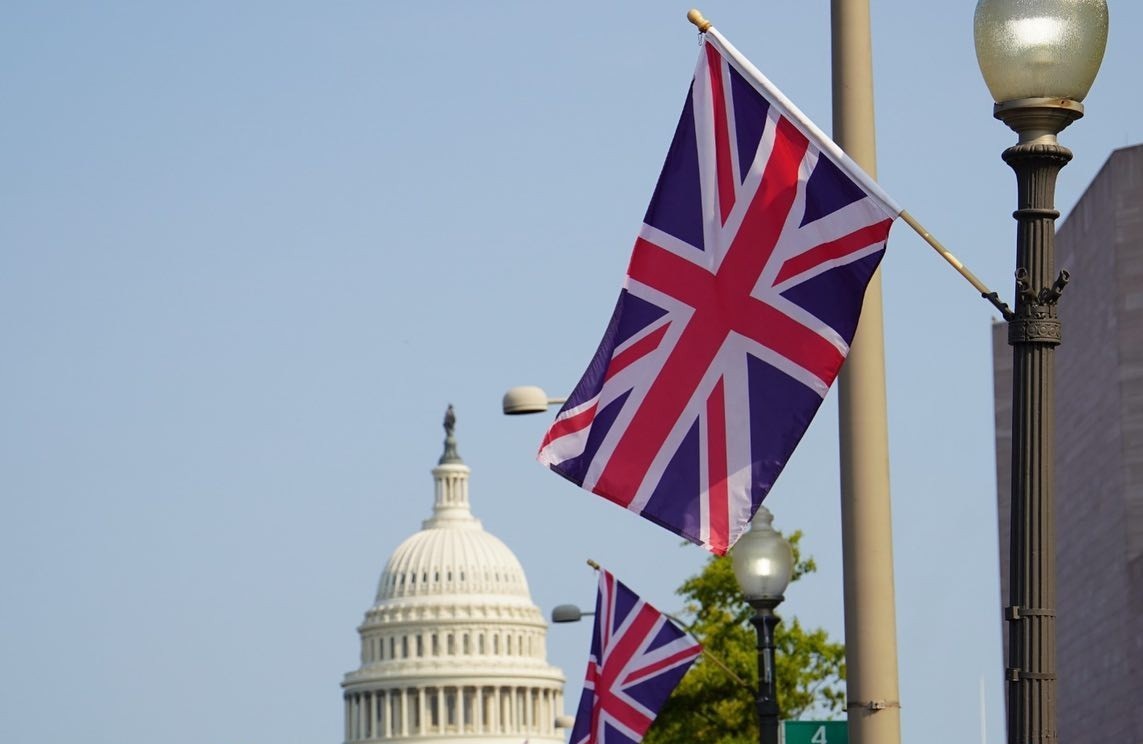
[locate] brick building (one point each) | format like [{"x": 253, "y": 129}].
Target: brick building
[{"x": 1099, "y": 458}]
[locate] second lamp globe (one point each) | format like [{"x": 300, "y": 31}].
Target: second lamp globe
[{"x": 762, "y": 560}]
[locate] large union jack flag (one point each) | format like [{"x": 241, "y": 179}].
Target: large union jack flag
[
  {"x": 741, "y": 299},
  {"x": 637, "y": 658}
]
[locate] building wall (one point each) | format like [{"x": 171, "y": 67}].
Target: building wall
[{"x": 1099, "y": 458}]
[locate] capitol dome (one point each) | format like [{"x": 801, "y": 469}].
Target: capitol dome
[
  {"x": 458, "y": 560},
  {"x": 453, "y": 649}
]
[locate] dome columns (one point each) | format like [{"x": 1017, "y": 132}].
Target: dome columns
[
  {"x": 451, "y": 497},
  {"x": 451, "y": 711}
]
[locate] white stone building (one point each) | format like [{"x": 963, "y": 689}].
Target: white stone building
[{"x": 453, "y": 649}]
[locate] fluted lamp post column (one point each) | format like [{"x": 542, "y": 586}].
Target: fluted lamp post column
[
  {"x": 763, "y": 563},
  {"x": 1039, "y": 59}
]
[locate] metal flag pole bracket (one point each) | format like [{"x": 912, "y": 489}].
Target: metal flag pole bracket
[
  {"x": 1012, "y": 613},
  {"x": 1018, "y": 675},
  {"x": 872, "y": 704}
]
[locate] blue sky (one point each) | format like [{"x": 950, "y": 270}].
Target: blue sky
[{"x": 250, "y": 251}]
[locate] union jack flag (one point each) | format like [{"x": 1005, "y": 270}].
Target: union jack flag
[
  {"x": 741, "y": 299},
  {"x": 637, "y": 658}
]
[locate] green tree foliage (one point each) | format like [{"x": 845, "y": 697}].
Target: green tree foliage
[{"x": 714, "y": 703}]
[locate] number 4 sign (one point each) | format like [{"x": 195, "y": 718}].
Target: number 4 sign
[{"x": 815, "y": 732}]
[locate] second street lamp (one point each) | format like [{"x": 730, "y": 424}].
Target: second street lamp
[
  {"x": 1039, "y": 60},
  {"x": 763, "y": 563},
  {"x": 527, "y": 399}
]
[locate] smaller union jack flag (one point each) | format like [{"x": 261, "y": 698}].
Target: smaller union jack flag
[
  {"x": 741, "y": 300},
  {"x": 637, "y": 658}
]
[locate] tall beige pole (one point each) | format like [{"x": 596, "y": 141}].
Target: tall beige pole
[{"x": 867, "y": 535}]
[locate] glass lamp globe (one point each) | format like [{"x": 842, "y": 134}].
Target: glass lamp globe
[
  {"x": 762, "y": 560},
  {"x": 1039, "y": 48}
]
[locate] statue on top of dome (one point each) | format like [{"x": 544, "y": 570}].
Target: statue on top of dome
[{"x": 450, "y": 453}]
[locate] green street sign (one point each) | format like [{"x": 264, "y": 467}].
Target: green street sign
[{"x": 815, "y": 732}]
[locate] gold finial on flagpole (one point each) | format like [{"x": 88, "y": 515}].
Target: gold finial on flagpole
[
  {"x": 593, "y": 564},
  {"x": 695, "y": 17}
]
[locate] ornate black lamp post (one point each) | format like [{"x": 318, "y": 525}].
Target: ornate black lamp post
[
  {"x": 763, "y": 563},
  {"x": 1039, "y": 59}
]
